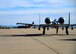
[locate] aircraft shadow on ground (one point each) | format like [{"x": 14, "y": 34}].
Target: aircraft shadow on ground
[
  {"x": 30, "y": 35},
  {"x": 47, "y": 35},
  {"x": 36, "y": 35},
  {"x": 74, "y": 39},
  {"x": 27, "y": 35}
]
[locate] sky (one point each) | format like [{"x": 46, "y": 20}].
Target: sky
[{"x": 27, "y": 11}]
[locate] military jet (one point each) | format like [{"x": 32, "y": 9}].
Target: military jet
[{"x": 54, "y": 24}]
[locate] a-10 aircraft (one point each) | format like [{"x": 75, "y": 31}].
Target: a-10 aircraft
[{"x": 54, "y": 24}]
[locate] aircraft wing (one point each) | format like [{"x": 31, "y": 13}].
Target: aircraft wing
[
  {"x": 24, "y": 23},
  {"x": 57, "y": 25},
  {"x": 47, "y": 25},
  {"x": 73, "y": 24},
  {"x": 27, "y": 24},
  {"x": 51, "y": 25}
]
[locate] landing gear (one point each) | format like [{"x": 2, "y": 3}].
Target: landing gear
[
  {"x": 71, "y": 27},
  {"x": 39, "y": 28},
  {"x": 47, "y": 28},
  {"x": 44, "y": 30},
  {"x": 62, "y": 28},
  {"x": 57, "y": 30},
  {"x": 67, "y": 30}
]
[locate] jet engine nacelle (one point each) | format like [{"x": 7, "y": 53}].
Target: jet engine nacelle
[
  {"x": 47, "y": 20},
  {"x": 61, "y": 20}
]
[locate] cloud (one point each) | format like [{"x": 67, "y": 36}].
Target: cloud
[
  {"x": 29, "y": 7},
  {"x": 36, "y": 6},
  {"x": 36, "y": 11},
  {"x": 32, "y": 4},
  {"x": 29, "y": 3},
  {"x": 14, "y": 3}
]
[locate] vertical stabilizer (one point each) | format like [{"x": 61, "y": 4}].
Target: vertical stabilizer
[
  {"x": 69, "y": 19},
  {"x": 39, "y": 19}
]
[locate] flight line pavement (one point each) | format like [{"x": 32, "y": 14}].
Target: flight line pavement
[{"x": 17, "y": 42}]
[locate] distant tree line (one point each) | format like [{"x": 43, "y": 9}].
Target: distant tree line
[{"x": 4, "y": 27}]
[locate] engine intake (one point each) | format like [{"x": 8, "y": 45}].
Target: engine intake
[
  {"x": 61, "y": 20},
  {"x": 47, "y": 20}
]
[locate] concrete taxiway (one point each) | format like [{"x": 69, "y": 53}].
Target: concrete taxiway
[{"x": 31, "y": 41}]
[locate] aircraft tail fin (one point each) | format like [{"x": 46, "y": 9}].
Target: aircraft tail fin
[{"x": 69, "y": 20}]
